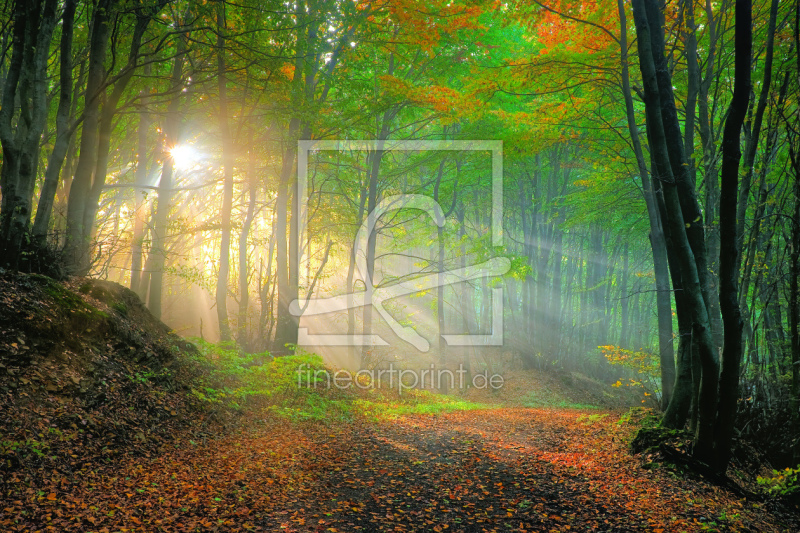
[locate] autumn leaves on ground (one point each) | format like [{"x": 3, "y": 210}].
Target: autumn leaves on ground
[{"x": 105, "y": 431}]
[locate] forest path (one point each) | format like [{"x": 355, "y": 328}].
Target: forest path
[
  {"x": 488, "y": 470},
  {"x": 504, "y": 470}
]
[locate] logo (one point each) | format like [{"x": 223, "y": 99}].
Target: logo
[{"x": 378, "y": 296}]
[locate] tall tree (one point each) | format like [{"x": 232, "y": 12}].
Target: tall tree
[
  {"x": 221, "y": 296},
  {"x": 23, "y": 115}
]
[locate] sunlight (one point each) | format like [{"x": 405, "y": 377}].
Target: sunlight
[{"x": 184, "y": 156}]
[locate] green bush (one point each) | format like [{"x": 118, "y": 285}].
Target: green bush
[
  {"x": 784, "y": 482},
  {"x": 291, "y": 386},
  {"x": 297, "y": 387}
]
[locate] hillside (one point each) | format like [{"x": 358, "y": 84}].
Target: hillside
[{"x": 86, "y": 373}]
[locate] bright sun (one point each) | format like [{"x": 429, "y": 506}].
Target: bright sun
[{"x": 185, "y": 156}]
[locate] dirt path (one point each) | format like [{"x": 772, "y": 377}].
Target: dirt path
[
  {"x": 475, "y": 471},
  {"x": 508, "y": 470}
]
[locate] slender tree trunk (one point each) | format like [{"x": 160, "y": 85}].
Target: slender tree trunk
[
  {"x": 755, "y": 130},
  {"x": 730, "y": 254},
  {"x": 443, "y": 384},
  {"x": 372, "y": 202},
  {"x": 221, "y": 295},
  {"x": 140, "y": 203},
  {"x": 158, "y": 250},
  {"x": 666, "y": 348},
  {"x": 266, "y": 296},
  {"x": 286, "y": 325},
  {"x": 63, "y": 131},
  {"x": 708, "y": 138},
  {"x": 467, "y": 303},
  {"x": 244, "y": 296},
  {"x": 106, "y": 126},
  {"x": 62, "y": 194},
  {"x": 351, "y": 267},
  {"x": 794, "y": 292},
  {"x": 794, "y": 270},
  {"x": 623, "y": 299},
  {"x": 76, "y": 247}
]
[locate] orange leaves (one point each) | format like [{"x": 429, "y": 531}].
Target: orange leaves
[
  {"x": 425, "y": 22},
  {"x": 577, "y": 26},
  {"x": 445, "y": 101},
  {"x": 492, "y": 470},
  {"x": 288, "y": 71}
]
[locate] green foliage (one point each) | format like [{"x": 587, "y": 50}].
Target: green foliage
[
  {"x": 412, "y": 401},
  {"x": 191, "y": 274},
  {"x": 22, "y": 448},
  {"x": 784, "y": 482},
  {"x": 642, "y": 429},
  {"x": 145, "y": 376},
  {"x": 641, "y": 417},
  {"x": 297, "y": 387},
  {"x": 591, "y": 419},
  {"x": 258, "y": 380},
  {"x": 644, "y": 364}
]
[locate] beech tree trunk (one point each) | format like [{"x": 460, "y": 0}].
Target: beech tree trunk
[
  {"x": 137, "y": 240},
  {"x": 244, "y": 296},
  {"x": 24, "y": 90},
  {"x": 221, "y": 295},
  {"x": 686, "y": 234},
  {"x": 47, "y": 196},
  {"x": 730, "y": 252},
  {"x": 158, "y": 250},
  {"x": 666, "y": 347}
]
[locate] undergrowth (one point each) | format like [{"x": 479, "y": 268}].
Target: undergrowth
[{"x": 297, "y": 387}]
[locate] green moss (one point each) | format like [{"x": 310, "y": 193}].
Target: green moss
[
  {"x": 413, "y": 401},
  {"x": 68, "y": 300},
  {"x": 649, "y": 439},
  {"x": 297, "y": 387}
]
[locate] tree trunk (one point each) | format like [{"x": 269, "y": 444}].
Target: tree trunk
[
  {"x": 666, "y": 147},
  {"x": 221, "y": 295},
  {"x": 666, "y": 348},
  {"x": 623, "y": 299},
  {"x": 244, "y": 296},
  {"x": 372, "y": 202},
  {"x": 106, "y": 124},
  {"x": 158, "y": 250},
  {"x": 351, "y": 267},
  {"x": 755, "y": 130},
  {"x": 63, "y": 131},
  {"x": 707, "y": 136},
  {"x": 25, "y": 86},
  {"x": 140, "y": 203},
  {"x": 729, "y": 259},
  {"x": 794, "y": 292},
  {"x": 76, "y": 251}
]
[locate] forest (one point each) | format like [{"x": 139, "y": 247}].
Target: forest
[{"x": 514, "y": 253}]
